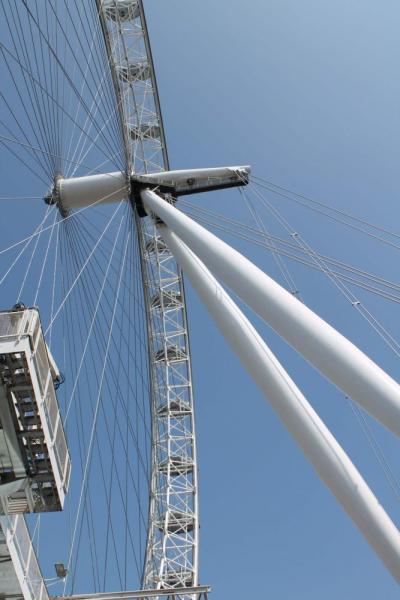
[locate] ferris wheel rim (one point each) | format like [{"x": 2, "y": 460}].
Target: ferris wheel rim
[{"x": 176, "y": 521}]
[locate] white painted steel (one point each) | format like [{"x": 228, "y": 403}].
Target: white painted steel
[
  {"x": 92, "y": 189},
  {"x": 190, "y": 180},
  {"x": 202, "y": 174},
  {"x": 22, "y": 554},
  {"x": 77, "y": 192},
  {"x": 316, "y": 441},
  {"x": 330, "y": 352}
]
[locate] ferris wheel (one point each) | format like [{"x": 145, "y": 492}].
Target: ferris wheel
[{"x": 96, "y": 317}]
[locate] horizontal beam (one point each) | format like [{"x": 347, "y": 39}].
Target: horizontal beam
[
  {"x": 103, "y": 188},
  {"x": 125, "y": 595},
  {"x": 195, "y": 181}
]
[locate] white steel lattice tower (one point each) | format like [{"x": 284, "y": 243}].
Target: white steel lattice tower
[{"x": 172, "y": 546}]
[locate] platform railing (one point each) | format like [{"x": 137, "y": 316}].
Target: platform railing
[
  {"x": 23, "y": 557},
  {"x": 194, "y": 593}
]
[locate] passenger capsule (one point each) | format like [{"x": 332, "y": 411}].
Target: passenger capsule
[{"x": 35, "y": 464}]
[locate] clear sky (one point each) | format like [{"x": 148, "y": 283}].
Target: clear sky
[{"x": 308, "y": 94}]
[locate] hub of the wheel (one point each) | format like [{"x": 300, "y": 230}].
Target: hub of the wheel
[
  {"x": 77, "y": 192},
  {"x": 52, "y": 196}
]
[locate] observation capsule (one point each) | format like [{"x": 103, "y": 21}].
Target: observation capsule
[{"x": 35, "y": 464}]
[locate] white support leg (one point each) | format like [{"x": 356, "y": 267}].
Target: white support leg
[
  {"x": 324, "y": 347},
  {"x": 318, "y": 444}
]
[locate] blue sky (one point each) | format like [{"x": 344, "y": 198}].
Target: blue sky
[{"x": 308, "y": 94}]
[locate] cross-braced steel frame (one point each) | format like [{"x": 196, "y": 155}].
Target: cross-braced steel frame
[{"x": 171, "y": 559}]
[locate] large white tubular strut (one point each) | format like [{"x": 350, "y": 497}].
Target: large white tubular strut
[
  {"x": 318, "y": 444},
  {"x": 330, "y": 352}
]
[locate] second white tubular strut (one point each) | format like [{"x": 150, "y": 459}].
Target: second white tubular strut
[
  {"x": 330, "y": 352},
  {"x": 318, "y": 444}
]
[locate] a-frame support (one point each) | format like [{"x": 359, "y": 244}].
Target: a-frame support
[
  {"x": 325, "y": 348},
  {"x": 314, "y": 438}
]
